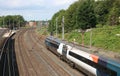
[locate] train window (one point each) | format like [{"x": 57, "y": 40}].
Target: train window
[
  {"x": 100, "y": 68},
  {"x": 54, "y": 45},
  {"x": 47, "y": 43}
]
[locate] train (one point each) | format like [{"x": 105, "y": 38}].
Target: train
[{"x": 90, "y": 64}]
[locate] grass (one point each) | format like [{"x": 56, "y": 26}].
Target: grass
[
  {"x": 105, "y": 38},
  {"x": 42, "y": 31}
]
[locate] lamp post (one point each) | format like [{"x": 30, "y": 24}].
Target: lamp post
[
  {"x": 3, "y": 22},
  {"x": 9, "y": 24},
  {"x": 63, "y": 28},
  {"x": 56, "y": 25},
  {"x": 19, "y": 24},
  {"x": 13, "y": 25}
]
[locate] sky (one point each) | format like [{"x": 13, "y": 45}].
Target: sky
[{"x": 33, "y": 9}]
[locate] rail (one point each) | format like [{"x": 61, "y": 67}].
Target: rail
[{"x": 7, "y": 65}]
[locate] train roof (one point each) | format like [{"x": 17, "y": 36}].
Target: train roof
[
  {"x": 56, "y": 39},
  {"x": 101, "y": 54}
]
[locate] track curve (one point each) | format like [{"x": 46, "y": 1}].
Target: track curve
[{"x": 34, "y": 59}]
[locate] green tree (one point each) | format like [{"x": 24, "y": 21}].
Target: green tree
[
  {"x": 102, "y": 9},
  {"x": 11, "y": 21},
  {"x": 1, "y": 21},
  {"x": 59, "y": 21},
  {"x": 8, "y": 21},
  {"x": 70, "y": 17},
  {"x": 52, "y": 25},
  {"x": 86, "y": 16},
  {"x": 114, "y": 14}
]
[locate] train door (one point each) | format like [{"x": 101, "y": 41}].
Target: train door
[
  {"x": 59, "y": 50},
  {"x": 64, "y": 50}
]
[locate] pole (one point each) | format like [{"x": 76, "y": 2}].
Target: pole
[
  {"x": 3, "y": 22},
  {"x": 13, "y": 24},
  {"x": 63, "y": 28},
  {"x": 9, "y": 24},
  {"x": 19, "y": 24},
  {"x": 91, "y": 38},
  {"x": 56, "y": 26}
]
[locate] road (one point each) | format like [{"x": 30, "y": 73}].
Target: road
[{"x": 33, "y": 59}]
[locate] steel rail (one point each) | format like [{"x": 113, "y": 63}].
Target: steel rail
[
  {"x": 7, "y": 63},
  {"x": 4, "y": 45}
]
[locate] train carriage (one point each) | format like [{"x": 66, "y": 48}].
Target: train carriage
[
  {"x": 90, "y": 64},
  {"x": 52, "y": 44}
]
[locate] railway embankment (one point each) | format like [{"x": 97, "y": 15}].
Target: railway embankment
[{"x": 104, "y": 41}]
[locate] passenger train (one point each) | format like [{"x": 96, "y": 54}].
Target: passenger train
[{"x": 90, "y": 64}]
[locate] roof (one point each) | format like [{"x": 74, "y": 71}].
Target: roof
[{"x": 101, "y": 54}]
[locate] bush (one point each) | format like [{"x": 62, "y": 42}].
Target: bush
[{"x": 105, "y": 38}]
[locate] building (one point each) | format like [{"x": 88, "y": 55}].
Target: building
[{"x": 31, "y": 24}]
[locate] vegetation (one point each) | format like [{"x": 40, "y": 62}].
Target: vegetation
[
  {"x": 103, "y": 16},
  {"x": 105, "y": 38},
  {"x": 84, "y": 14},
  {"x": 58, "y": 15},
  {"x": 42, "y": 31},
  {"x": 12, "y": 21}
]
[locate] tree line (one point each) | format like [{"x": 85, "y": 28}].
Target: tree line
[
  {"x": 12, "y": 21},
  {"x": 85, "y": 14}
]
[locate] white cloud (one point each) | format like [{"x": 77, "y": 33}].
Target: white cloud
[
  {"x": 62, "y": 2},
  {"x": 20, "y": 3},
  {"x": 26, "y": 3},
  {"x": 33, "y": 9}
]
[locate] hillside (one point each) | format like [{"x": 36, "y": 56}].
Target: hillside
[{"x": 106, "y": 38}]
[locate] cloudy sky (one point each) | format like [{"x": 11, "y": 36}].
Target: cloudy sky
[{"x": 33, "y": 9}]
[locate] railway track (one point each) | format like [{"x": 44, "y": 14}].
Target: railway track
[
  {"x": 49, "y": 54},
  {"x": 35, "y": 60},
  {"x": 55, "y": 71},
  {"x": 8, "y": 63},
  {"x": 25, "y": 66},
  {"x": 25, "y": 54}
]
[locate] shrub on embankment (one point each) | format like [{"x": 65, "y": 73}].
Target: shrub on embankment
[{"x": 106, "y": 38}]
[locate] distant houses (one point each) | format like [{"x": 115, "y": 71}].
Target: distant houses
[
  {"x": 37, "y": 23},
  {"x": 31, "y": 24},
  {"x": 42, "y": 23}
]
